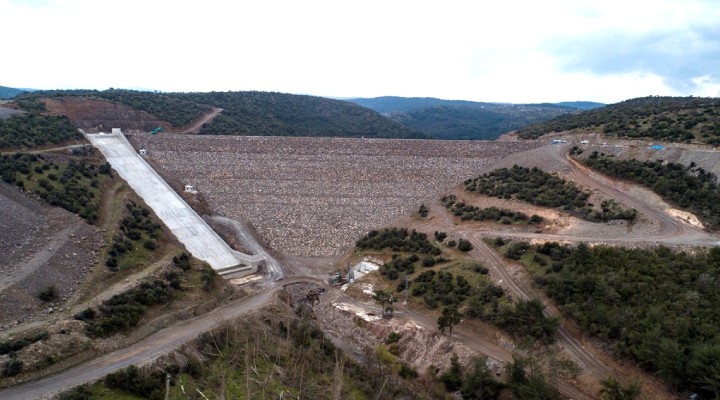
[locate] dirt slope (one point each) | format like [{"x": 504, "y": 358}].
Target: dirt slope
[
  {"x": 39, "y": 246},
  {"x": 96, "y": 115}
]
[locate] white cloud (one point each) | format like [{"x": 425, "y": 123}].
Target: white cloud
[{"x": 518, "y": 51}]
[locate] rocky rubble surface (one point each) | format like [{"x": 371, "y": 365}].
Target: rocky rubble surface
[{"x": 315, "y": 197}]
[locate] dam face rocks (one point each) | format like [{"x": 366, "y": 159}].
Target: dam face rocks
[{"x": 314, "y": 197}]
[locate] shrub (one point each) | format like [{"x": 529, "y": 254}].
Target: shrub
[
  {"x": 12, "y": 367},
  {"x": 464, "y": 245},
  {"x": 428, "y": 262},
  {"x": 182, "y": 261},
  {"x": 423, "y": 211},
  {"x": 393, "y": 337},
  {"x": 78, "y": 393},
  {"x": 50, "y": 293},
  {"x": 150, "y": 244}
]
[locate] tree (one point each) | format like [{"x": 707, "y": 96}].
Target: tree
[
  {"x": 386, "y": 300},
  {"x": 480, "y": 384},
  {"x": 450, "y": 316},
  {"x": 532, "y": 386},
  {"x": 452, "y": 378},
  {"x": 614, "y": 390},
  {"x": 704, "y": 367}
]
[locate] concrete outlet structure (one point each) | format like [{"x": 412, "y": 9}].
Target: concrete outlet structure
[{"x": 191, "y": 230}]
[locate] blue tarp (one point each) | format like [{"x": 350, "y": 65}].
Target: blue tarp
[{"x": 657, "y": 147}]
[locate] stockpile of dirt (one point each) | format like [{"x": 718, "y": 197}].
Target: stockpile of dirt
[
  {"x": 40, "y": 247},
  {"x": 316, "y": 196},
  {"x": 96, "y": 115}
]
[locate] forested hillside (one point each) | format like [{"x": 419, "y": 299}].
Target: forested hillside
[
  {"x": 280, "y": 114},
  {"x": 166, "y": 107},
  {"x": 459, "y": 119},
  {"x": 467, "y": 123},
  {"x": 691, "y": 119},
  {"x": 654, "y": 306},
  {"x": 32, "y": 130},
  {"x": 251, "y": 113},
  {"x": 394, "y": 104}
]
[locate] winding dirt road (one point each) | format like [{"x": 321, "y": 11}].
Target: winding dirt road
[
  {"x": 669, "y": 230},
  {"x": 148, "y": 349}
]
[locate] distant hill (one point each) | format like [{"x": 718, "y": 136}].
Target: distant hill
[
  {"x": 394, "y": 104},
  {"x": 581, "y": 105},
  {"x": 8, "y": 92},
  {"x": 461, "y": 119},
  {"x": 693, "y": 119}
]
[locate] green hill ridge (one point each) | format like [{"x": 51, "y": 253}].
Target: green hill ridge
[
  {"x": 252, "y": 113},
  {"x": 693, "y": 119}
]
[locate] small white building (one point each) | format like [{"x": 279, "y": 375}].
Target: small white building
[
  {"x": 143, "y": 152},
  {"x": 190, "y": 189}
]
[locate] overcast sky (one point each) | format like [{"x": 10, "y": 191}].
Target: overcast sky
[{"x": 504, "y": 51}]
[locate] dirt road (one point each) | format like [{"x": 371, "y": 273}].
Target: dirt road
[
  {"x": 150, "y": 348},
  {"x": 195, "y": 126},
  {"x": 40, "y": 258},
  {"x": 590, "y": 362}
]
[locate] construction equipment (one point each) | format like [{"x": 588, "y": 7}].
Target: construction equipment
[{"x": 337, "y": 279}]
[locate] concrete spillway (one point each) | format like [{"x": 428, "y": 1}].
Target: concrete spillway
[{"x": 191, "y": 230}]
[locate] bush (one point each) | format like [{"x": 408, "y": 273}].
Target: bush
[
  {"x": 407, "y": 372},
  {"x": 123, "y": 311},
  {"x": 208, "y": 279},
  {"x": 464, "y": 245},
  {"x": 428, "y": 262},
  {"x": 50, "y": 293},
  {"x": 423, "y": 211},
  {"x": 78, "y": 393},
  {"x": 150, "y": 244},
  {"x": 12, "y": 367},
  {"x": 182, "y": 261},
  {"x": 393, "y": 337}
]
